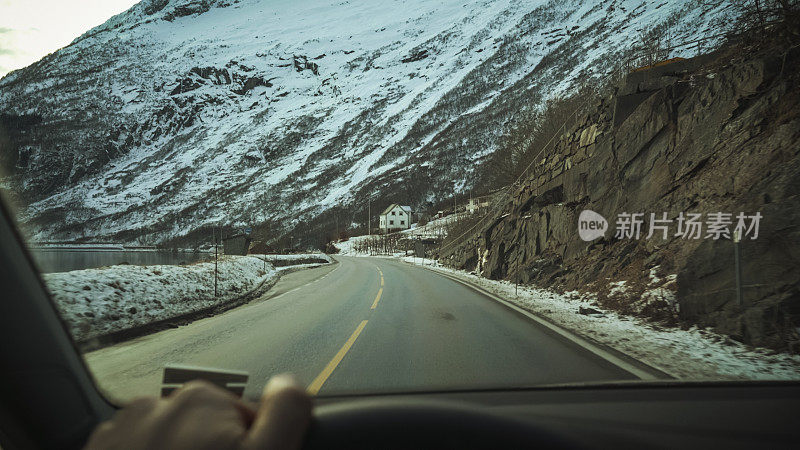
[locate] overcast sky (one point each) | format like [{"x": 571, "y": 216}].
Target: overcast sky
[{"x": 31, "y": 29}]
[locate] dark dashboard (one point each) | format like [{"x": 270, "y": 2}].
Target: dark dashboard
[{"x": 631, "y": 415}]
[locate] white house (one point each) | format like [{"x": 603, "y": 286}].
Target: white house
[{"x": 395, "y": 217}]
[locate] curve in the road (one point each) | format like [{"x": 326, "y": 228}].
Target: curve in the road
[{"x": 399, "y": 328}]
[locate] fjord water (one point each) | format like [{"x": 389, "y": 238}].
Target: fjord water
[{"x": 64, "y": 260}]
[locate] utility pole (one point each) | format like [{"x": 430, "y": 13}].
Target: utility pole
[
  {"x": 216, "y": 261},
  {"x": 369, "y": 222},
  {"x": 213, "y": 242},
  {"x": 737, "y": 265},
  {"x": 454, "y": 200}
]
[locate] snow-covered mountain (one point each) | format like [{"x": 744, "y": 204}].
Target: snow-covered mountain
[{"x": 182, "y": 113}]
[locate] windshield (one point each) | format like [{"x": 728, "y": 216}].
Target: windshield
[{"x": 398, "y": 196}]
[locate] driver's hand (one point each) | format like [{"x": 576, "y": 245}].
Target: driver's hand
[{"x": 203, "y": 416}]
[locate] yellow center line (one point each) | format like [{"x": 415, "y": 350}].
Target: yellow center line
[
  {"x": 377, "y": 298},
  {"x": 316, "y": 385},
  {"x": 323, "y": 376}
]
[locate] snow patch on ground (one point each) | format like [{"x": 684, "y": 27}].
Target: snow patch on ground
[
  {"x": 436, "y": 228},
  {"x": 617, "y": 287},
  {"x": 347, "y": 248},
  {"x": 693, "y": 354},
  {"x": 95, "y": 302}
]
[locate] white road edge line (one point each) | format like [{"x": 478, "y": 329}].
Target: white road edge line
[{"x": 580, "y": 341}]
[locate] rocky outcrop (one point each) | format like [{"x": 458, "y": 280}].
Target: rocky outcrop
[
  {"x": 301, "y": 63},
  {"x": 719, "y": 133},
  {"x": 187, "y": 9},
  {"x": 11, "y": 128},
  {"x": 416, "y": 55},
  {"x": 200, "y": 76},
  {"x": 154, "y": 6}
]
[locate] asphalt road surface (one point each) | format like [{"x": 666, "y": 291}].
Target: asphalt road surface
[{"x": 362, "y": 325}]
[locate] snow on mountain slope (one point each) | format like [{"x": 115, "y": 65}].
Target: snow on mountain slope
[{"x": 182, "y": 113}]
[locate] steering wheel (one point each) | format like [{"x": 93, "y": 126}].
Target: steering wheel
[{"x": 414, "y": 424}]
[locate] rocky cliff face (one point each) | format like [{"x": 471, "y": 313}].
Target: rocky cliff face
[
  {"x": 179, "y": 114},
  {"x": 719, "y": 133}
]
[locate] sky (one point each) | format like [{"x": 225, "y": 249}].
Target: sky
[{"x": 32, "y": 29}]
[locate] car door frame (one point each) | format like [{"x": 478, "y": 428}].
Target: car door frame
[{"x": 48, "y": 397}]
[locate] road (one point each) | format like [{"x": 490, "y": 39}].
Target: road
[{"x": 363, "y": 325}]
